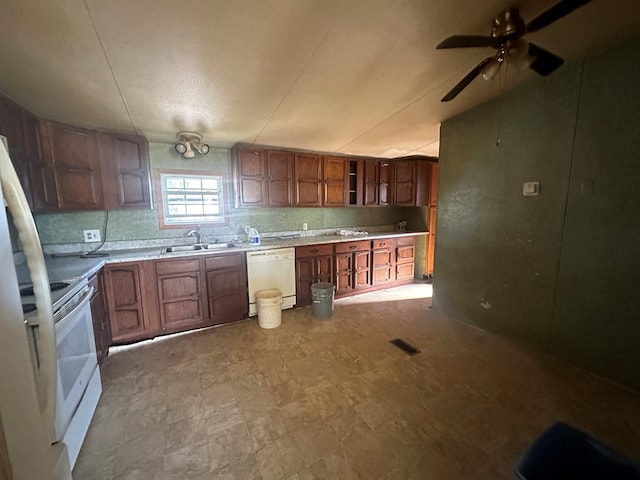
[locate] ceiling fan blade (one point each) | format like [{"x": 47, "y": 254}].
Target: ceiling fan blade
[
  {"x": 556, "y": 12},
  {"x": 462, "y": 84},
  {"x": 543, "y": 62},
  {"x": 465, "y": 41}
]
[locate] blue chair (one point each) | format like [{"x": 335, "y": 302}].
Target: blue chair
[{"x": 564, "y": 452}]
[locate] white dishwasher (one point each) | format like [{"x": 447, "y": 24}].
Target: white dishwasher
[{"x": 272, "y": 269}]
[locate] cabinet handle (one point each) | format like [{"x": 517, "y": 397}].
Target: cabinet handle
[
  {"x": 314, "y": 251},
  {"x": 352, "y": 247}
]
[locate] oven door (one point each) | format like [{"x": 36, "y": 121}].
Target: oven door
[{"x": 77, "y": 359}]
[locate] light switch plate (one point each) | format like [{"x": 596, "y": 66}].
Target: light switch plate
[{"x": 530, "y": 188}]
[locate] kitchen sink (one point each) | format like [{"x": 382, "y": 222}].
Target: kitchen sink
[{"x": 196, "y": 247}]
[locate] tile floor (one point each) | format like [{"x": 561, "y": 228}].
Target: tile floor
[{"x": 333, "y": 399}]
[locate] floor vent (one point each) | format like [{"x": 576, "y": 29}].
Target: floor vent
[{"x": 402, "y": 345}]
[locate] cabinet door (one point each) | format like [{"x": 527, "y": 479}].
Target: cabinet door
[
  {"x": 382, "y": 266},
  {"x": 250, "y": 177},
  {"x": 100, "y": 317},
  {"x": 279, "y": 174},
  {"x": 324, "y": 268},
  {"x": 305, "y": 270},
  {"x": 40, "y": 170},
  {"x": 344, "y": 273},
  {"x": 125, "y": 171},
  {"x": 74, "y": 155},
  {"x": 227, "y": 288},
  {"x": 336, "y": 181},
  {"x": 124, "y": 300},
  {"x": 11, "y": 126},
  {"x": 362, "y": 272},
  {"x": 384, "y": 183},
  {"x": 180, "y": 301},
  {"x": 180, "y": 294},
  {"x": 371, "y": 182},
  {"x": 405, "y": 259},
  {"x": 308, "y": 180},
  {"x": 405, "y": 172}
]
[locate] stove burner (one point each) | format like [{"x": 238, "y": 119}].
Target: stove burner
[
  {"x": 27, "y": 291},
  {"x": 28, "y": 307}
]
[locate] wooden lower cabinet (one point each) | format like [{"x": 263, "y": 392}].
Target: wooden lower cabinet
[
  {"x": 227, "y": 293},
  {"x": 314, "y": 263},
  {"x": 405, "y": 253},
  {"x": 383, "y": 261},
  {"x": 157, "y": 297},
  {"x": 180, "y": 295},
  {"x": 360, "y": 266},
  {"x": 126, "y": 292},
  {"x": 100, "y": 317},
  {"x": 352, "y": 266}
]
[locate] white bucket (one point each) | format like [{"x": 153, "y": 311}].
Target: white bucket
[{"x": 269, "y": 303}]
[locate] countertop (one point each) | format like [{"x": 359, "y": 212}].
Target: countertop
[
  {"x": 268, "y": 243},
  {"x": 68, "y": 266}
]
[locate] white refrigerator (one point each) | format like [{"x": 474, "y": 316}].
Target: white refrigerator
[{"x": 27, "y": 394}]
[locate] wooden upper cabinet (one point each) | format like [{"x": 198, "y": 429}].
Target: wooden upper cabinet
[
  {"x": 125, "y": 170},
  {"x": 279, "y": 177},
  {"x": 250, "y": 177},
  {"x": 336, "y": 180},
  {"x": 405, "y": 182},
  {"x": 371, "y": 182},
  {"x": 411, "y": 181},
  {"x": 262, "y": 177},
  {"x": 12, "y": 127},
  {"x": 308, "y": 180},
  {"x": 78, "y": 169},
  {"x": 74, "y": 155},
  {"x": 377, "y": 182}
]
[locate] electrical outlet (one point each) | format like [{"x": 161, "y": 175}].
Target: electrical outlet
[
  {"x": 247, "y": 229},
  {"x": 305, "y": 226},
  {"x": 91, "y": 235}
]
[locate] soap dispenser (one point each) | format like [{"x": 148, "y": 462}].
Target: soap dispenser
[{"x": 254, "y": 236}]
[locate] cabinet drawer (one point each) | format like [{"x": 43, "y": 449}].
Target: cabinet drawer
[
  {"x": 164, "y": 267},
  {"x": 405, "y": 241},
  {"x": 382, "y": 243},
  {"x": 223, "y": 261},
  {"x": 346, "y": 247},
  {"x": 314, "y": 250}
]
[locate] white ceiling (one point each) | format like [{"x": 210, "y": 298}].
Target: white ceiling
[{"x": 349, "y": 76}]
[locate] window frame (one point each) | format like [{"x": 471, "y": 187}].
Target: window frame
[{"x": 160, "y": 195}]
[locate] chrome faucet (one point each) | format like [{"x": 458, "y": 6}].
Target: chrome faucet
[{"x": 196, "y": 233}]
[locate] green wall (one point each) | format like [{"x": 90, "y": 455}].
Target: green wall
[
  {"x": 61, "y": 228},
  {"x": 558, "y": 271}
]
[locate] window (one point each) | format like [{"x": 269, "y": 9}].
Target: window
[{"x": 189, "y": 198}]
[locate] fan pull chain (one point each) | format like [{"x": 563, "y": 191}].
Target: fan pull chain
[{"x": 502, "y": 79}]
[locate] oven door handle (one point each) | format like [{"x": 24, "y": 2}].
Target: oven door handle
[{"x": 87, "y": 298}]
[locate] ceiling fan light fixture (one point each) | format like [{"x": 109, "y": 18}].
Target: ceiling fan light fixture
[
  {"x": 492, "y": 68},
  {"x": 517, "y": 53}
]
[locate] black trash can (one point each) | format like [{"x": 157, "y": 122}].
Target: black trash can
[{"x": 322, "y": 299}]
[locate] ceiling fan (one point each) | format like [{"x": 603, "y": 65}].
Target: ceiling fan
[{"x": 506, "y": 37}]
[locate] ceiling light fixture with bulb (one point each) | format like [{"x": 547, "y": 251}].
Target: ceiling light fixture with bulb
[
  {"x": 506, "y": 37},
  {"x": 189, "y": 143}
]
